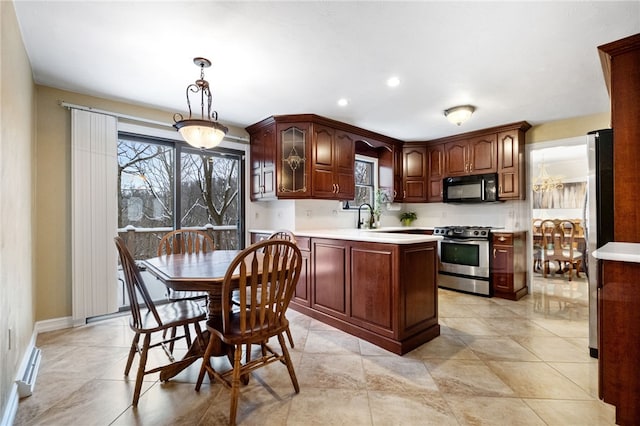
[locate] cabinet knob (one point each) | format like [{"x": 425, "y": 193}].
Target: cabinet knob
[
  {"x": 502, "y": 239},
  {"x": 494, "y": 253}
]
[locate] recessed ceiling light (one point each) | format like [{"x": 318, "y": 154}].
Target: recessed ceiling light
[
  {"x": 343, "y": 102},
  {"x": 393, "y": 82}
]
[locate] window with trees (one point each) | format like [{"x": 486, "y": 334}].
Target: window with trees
[{"x": 164, "y": 185}]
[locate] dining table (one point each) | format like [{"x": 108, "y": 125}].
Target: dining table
[{"x": 195, "y": 272}]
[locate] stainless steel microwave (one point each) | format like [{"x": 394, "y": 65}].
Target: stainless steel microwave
[{"x": 470, "y": 189}]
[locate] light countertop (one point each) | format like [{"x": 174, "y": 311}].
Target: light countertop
[
  {"x": 622, "y": 252},
  {"x": 381, "y": 235}
]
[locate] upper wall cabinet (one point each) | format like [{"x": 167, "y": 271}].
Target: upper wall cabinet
[
  {"x": 308, "y": 156},
  {"x": 334, "y": 155},
  {"x": 471, "y": 156},
  {"x": 496, "y": 150}
]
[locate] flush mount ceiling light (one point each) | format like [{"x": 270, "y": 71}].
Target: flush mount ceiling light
[
  {"x": 459, "y": 114},
  {"x": 205, "y": 132}
]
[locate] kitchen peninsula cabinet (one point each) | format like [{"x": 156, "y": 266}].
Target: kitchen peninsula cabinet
[
  {"x": 508, "y": 265},
  {"x": 308, "y": 156},
  {"x": 382, "y": 292}
]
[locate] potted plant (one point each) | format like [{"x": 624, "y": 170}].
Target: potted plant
[{"x": 407, "y": 217}]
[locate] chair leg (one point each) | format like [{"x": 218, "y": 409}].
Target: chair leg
[
  {"x": 206, "y": 363},
  {"x": 289, "y": 364},
  {"x": 132, "y": 353},
  {"x": 290, "y": 337},
  {"x": 235, "y": 385},
  {"x": 141, "y": 367}
]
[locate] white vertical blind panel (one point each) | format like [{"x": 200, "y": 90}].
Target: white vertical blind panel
[{"x": 94, "y": 214}]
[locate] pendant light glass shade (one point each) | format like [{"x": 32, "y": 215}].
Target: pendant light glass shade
[
  {"x": 201, "y": 133},
  {"x": 206, "y": 132}
]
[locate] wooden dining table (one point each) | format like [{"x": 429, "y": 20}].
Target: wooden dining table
[{"x": 195, "y": 272}]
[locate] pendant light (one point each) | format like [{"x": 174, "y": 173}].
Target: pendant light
[{"x": 204, "y": 132}]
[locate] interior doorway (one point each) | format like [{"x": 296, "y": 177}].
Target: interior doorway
[{"x": 558, "y": 173}]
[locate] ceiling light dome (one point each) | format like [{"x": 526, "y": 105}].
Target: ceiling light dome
[
  {"x": 459, "y": 114},
  {"x": 203, "y": 133}
]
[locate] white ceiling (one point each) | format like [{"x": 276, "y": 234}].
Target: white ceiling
[{"x": 534, "y": 61}]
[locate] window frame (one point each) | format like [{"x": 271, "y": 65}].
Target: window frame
[{"x": 351, "y": 204}]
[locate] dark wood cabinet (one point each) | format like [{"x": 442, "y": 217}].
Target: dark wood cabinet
[
  {"x": 508, "y": 265},
  {"x": 333, "y": 163},
  {"x": 496, "y": 150},
  {"x": 383, "y": 293},
  {"x": 511, "y": 166},
  {"x": 398, "y": 172},
  {"x": 263, "y": 168},
  {"x": 435, "y": 156},
  {"x": 618, "y": 295},
  {"x": 414, "y": 171},
  {"x": 302, "y": 294},
  {"x": 476, "y": 155},
  {"x": 330, "y": 272},
  {"x": 308, "y": 156}
]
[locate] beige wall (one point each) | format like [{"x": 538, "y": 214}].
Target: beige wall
[
  {"x": 569, "y": 128},
  {"x": 53, "y": 217},
  {"x": 16, "y": 201}
]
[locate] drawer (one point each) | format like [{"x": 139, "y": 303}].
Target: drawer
[
  {"x": 504, "y": 239},
  {"x": 304, "y": 243}
]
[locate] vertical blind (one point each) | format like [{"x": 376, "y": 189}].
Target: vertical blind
[{"x": 94, "y": 214}]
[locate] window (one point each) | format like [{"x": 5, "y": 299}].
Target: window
[
  {"x": 366, "y": 178},
  {"x": 165, "y": 185}
]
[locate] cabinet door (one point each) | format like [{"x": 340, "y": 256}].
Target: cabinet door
[
  {"x": 502, "y": 269},
  {"x": 456, "y": 158},
  {"x": 330, "y": 272},
  {"x": 435, "y": 155},
  {"x": 509, "y": 166},
  {"x": 371, "y": 285},
  {"x": 398, "y": 190},
  {"x": 293, "y": 160},
  {"x": 482, "y": 154},
  {"x": 344, "y": 165},
  {"x": 415, "y": 174},
  {"x": 263, "y": 170},
  {"x": 324, "y": 185}
]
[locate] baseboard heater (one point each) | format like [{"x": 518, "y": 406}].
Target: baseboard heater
[{"x": 28, "y": 380}]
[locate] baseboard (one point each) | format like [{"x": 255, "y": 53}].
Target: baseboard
[
  {"x": 28, "y": 371},
  {"x": 53, "y": 324},
  {"x": 10, "y": 411}
]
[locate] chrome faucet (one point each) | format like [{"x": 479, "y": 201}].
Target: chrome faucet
[{"x": 360, "y": 221}]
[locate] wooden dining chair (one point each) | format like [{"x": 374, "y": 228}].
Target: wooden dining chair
[
  {"x": 154, "y": 319},
  {"x": 265, "y": 274},
  {"x": 567, "y": 255},
  {"x": 185, "y": 241},
  {"x": 282, "y": 234}
]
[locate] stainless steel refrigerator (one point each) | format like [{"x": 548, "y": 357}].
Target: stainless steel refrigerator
[{"x": 598, "y": 215}]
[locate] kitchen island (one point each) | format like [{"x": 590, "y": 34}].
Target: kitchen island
[{"x": 376, "y": 285}]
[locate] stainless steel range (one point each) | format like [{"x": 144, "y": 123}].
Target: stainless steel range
[{"x": 464, "y": 258}]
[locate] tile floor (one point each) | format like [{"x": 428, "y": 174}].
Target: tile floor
[{"x": 497, "y": 362}]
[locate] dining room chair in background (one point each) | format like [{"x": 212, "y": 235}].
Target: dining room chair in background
[
  {"x": 185, "y": 241},
  {"x": 265, "y": 274},
  {"x": 154, "y": 319}
]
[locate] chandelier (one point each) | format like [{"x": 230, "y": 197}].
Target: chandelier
[
  {"x": 203, "y": 133},
  {"x": 544, "y": 182}
]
